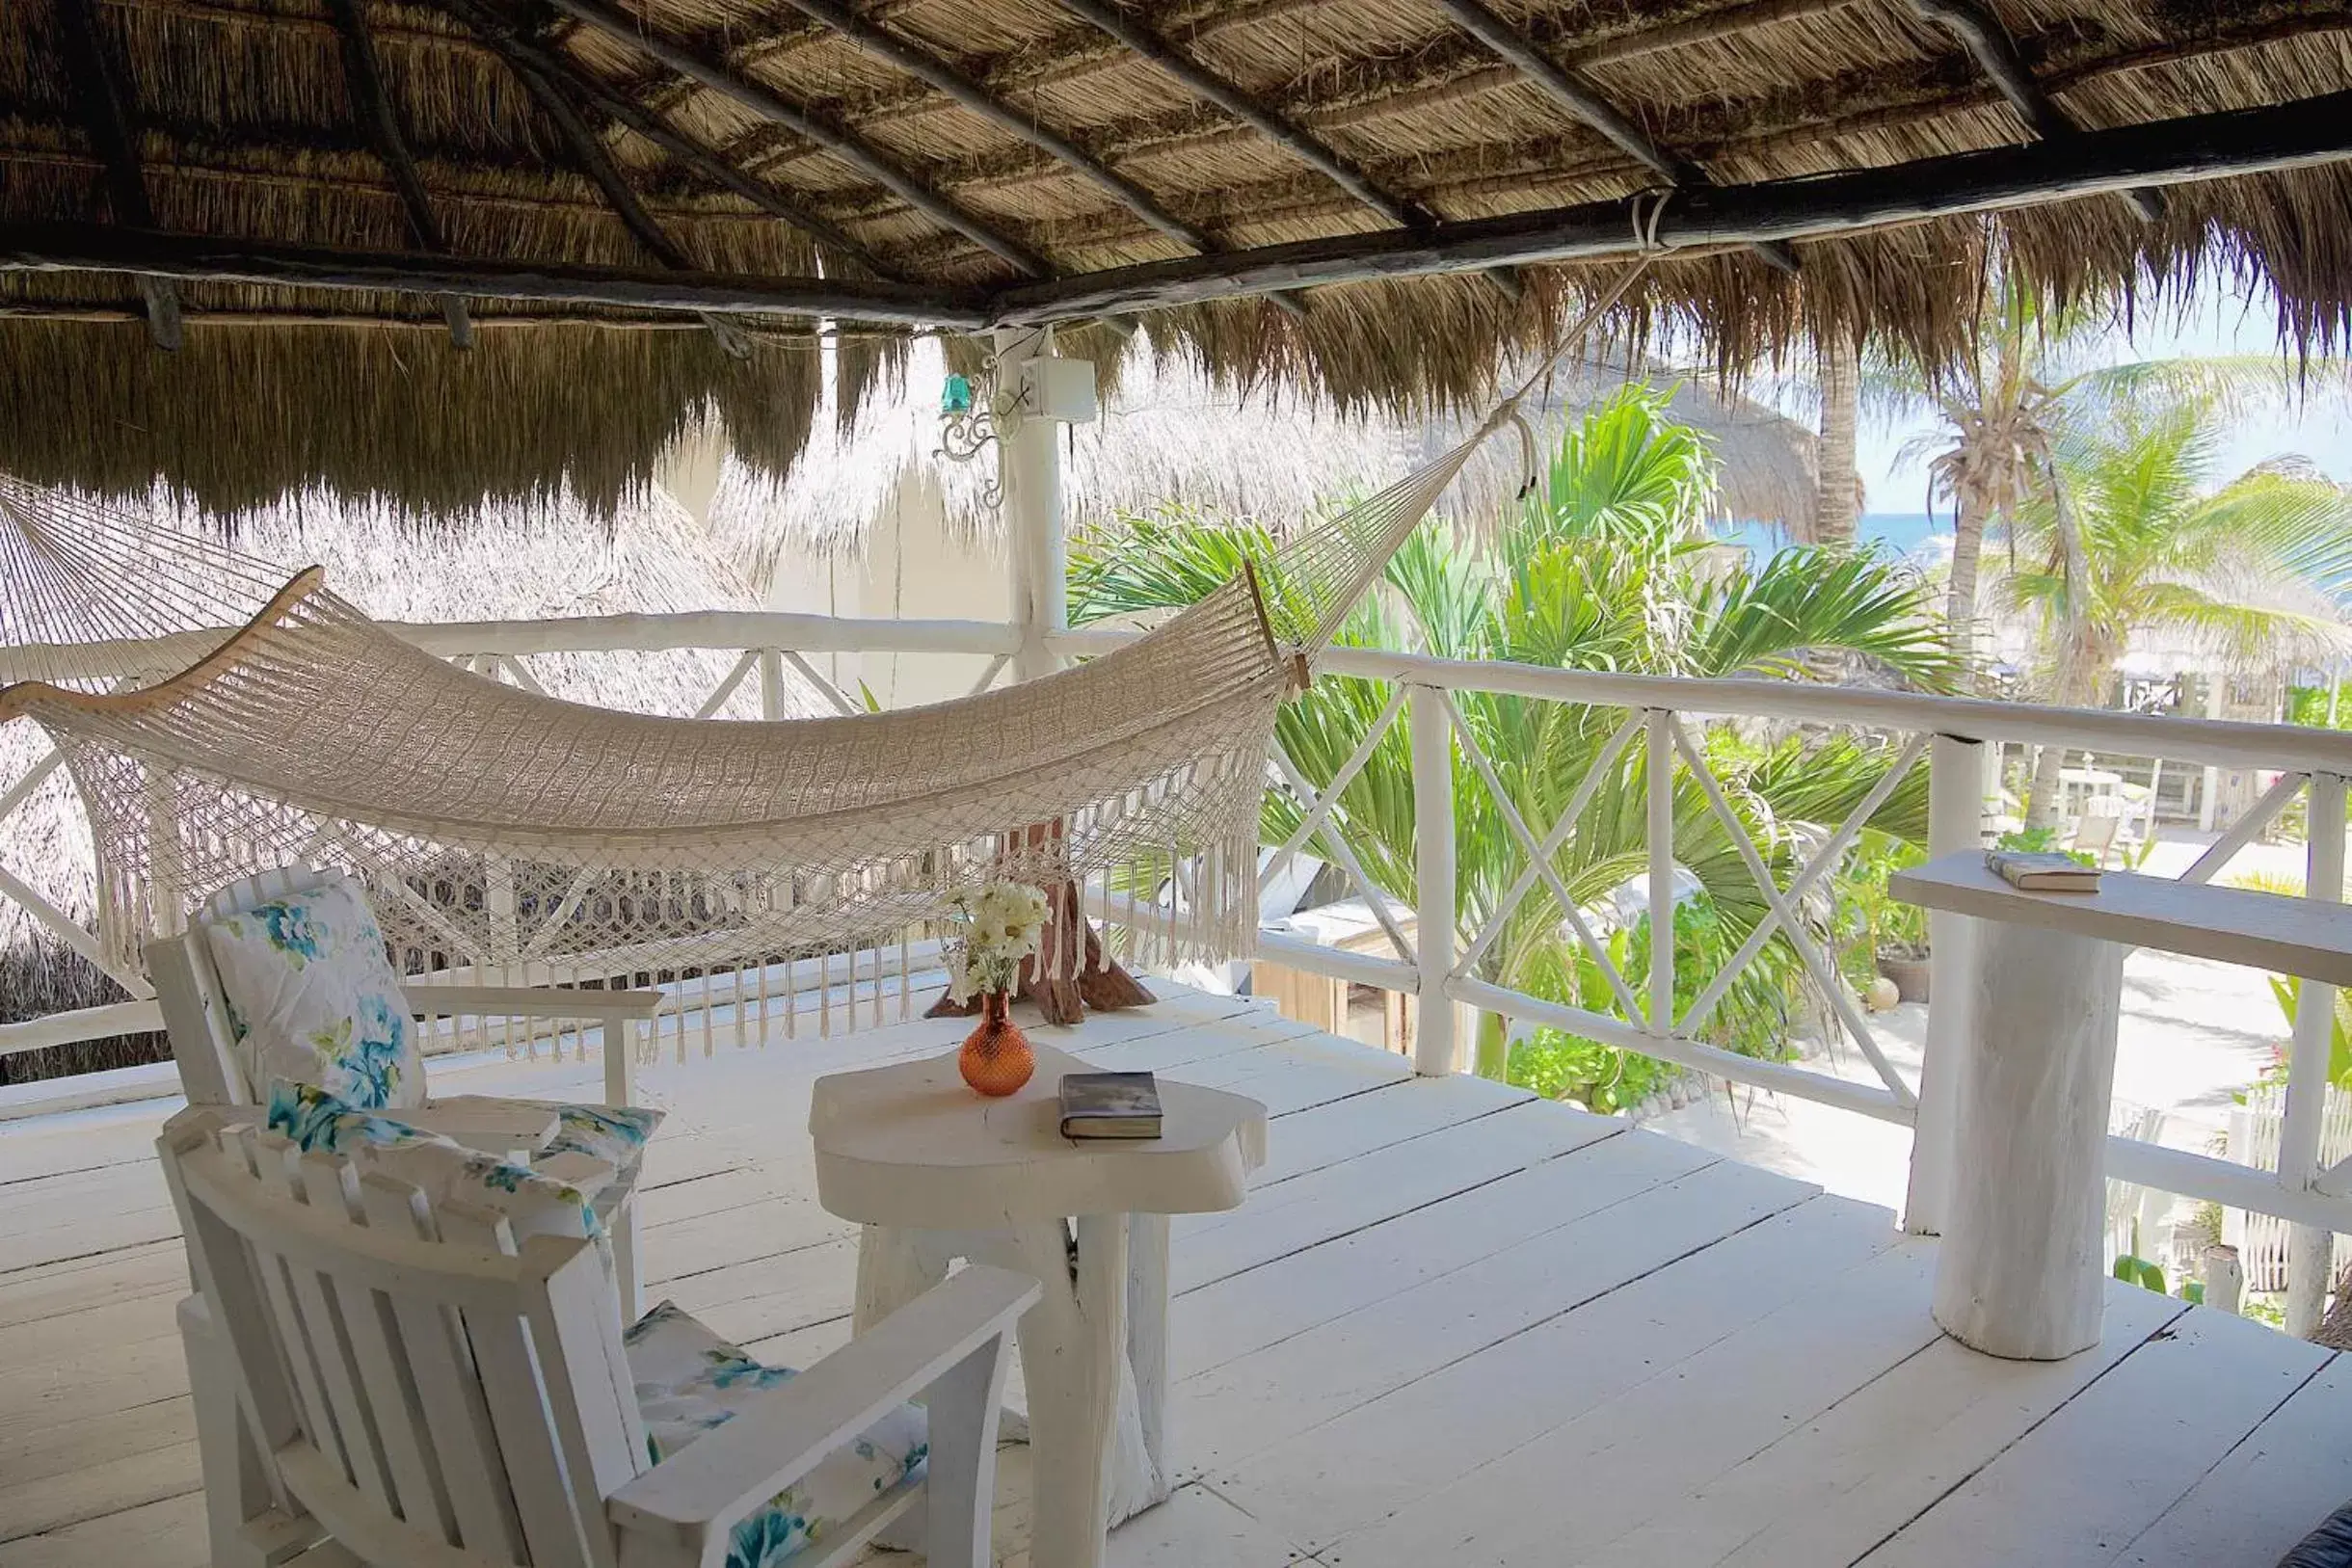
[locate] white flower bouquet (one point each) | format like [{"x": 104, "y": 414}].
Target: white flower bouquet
[{"x": 997, "y": 928}]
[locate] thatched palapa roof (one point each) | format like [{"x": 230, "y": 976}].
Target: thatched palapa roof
[{"x": 638, "y": 211}]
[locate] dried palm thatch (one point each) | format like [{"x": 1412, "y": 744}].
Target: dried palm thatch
[
  {"x": 1169, "y": 433},
  {"x": 1375, "y": 201}
]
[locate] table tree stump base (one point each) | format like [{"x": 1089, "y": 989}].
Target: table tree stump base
[{"x": 1101, "y": 984}]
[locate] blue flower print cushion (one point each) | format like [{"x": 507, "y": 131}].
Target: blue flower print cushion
[{"x": 312, "y": 998}]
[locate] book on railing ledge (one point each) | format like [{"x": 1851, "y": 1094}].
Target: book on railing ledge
[
  {"x": 2041, "y": 870},
  {"x": 1110, "y": 1106}
]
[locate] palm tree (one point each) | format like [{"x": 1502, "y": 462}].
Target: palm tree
[
  {"x": 2002, "y": 408},
  {"x": 1837, "y": 494},
  {"x": 2126, "y": 536},
  {"x": 1605, "y": 568}
]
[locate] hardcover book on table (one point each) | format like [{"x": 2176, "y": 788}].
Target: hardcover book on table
[
  {"x": 1110, "y": 1106},
  {"x": 2041, "y": 870}
]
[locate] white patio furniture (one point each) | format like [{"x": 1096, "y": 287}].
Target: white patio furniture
[
  {"x": 216, "y": 1070},
  {"x": 935, "y": 1173},
  {"x": 398, "y": 1380}
]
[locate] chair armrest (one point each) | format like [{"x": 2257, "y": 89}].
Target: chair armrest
[
  {"x": 496, "y": 1127},
  {"x": 702, "y": 1492},
  {"x": 528, "y": 1001}
]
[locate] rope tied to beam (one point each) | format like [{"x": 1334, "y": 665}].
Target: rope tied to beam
[{"x": 1507, "y": 411}]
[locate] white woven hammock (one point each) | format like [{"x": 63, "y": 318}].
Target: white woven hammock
[{"x": 500, "y": 828}]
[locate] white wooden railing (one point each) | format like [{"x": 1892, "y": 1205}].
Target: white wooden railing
[{"x": 1438, "y": 965}]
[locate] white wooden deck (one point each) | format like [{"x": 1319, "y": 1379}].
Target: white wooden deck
[{"x": 1453, "y": 1325}]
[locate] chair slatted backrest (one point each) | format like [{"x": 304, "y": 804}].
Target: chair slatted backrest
[
  {"x": 427, "y": 1390},
  {"x": 188, "y": 989}
]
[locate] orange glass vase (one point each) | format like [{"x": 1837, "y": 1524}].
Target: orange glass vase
[{"x": 995, "y": 1059}]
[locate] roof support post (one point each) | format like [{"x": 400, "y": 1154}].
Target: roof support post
[
  {"x": 106, "y": 119},
  {"x": 1029, "y": 459}
]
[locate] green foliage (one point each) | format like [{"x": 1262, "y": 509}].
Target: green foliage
[
  {"x": 2308, "y": 705},
  {"x": 2287, "y": 989},
  {"x": 1605, "y": 568},
  {"x": 2141, "y": 1272},
  {"x": 2041, "y": 839},
  {"x": 1867, "y": 920}
]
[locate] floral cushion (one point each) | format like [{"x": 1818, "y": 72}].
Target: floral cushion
[
  {"x": 689, "y": 1380},
  {"x": 313, "y": 999},
  {"x": 443, "y": 1170},
  {"x": 615, "y": 1134}
]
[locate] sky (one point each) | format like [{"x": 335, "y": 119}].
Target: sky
[{"x": 2214, "y": 323}]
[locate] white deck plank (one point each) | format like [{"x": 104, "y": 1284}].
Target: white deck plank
[
  {"x": 1629, "y": 1316},
  {"x": 2272, "y": 1489},
  {"x": 1340, "y": 1199},
  {"x": 165, "y": 1534},
  {"x": 1243, "y": 1312},
  {"x": 1309, "y": 1140},
  {"x": 1836, "y": 1487},
  {"x": 2079, "y": 1487}
]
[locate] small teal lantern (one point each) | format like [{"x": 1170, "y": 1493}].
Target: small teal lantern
[{"x": 956, "y": 397}]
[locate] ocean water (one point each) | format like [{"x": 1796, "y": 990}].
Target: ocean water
[{"x": 1926, "y": 539}]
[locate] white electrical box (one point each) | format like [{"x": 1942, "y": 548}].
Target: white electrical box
[{"x": 1058, "y": 390}]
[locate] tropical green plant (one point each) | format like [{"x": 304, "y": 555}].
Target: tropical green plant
[
  {"x": 2126, "y": 537},
  {"x": 1868, "y": 921},
  {"x": 1606, "y": 567}
]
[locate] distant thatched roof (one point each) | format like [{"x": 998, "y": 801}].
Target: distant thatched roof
[
  {"x": 275, "y": 167},
  {"x": 1169, "y": 434}
]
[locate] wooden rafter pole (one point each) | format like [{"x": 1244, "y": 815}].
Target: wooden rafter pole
[
  {"x": 647, "y": 124},
  {"x": 2094, "y": 163},
  {"x": 106, "y": 119},
  {"x": 1573, "y": 93},
  {"x": 365, "y": 77},
  {"x": 104, "y": 248},
  {"x": 1294, "y": 139},
  {"x": 589, "y": 152},
  {"x": 1995, "y": 54},
  {"x": 976, "y": 99},
  {"x": 843, "y": 144}
]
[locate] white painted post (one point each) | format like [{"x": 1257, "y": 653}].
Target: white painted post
[
  {"x": 1658, "y": 779},
  {"x": 1433, "y": 939},
  {"x": 2224, "y": 1277},
  {"x": 771, "y": 683},
  {"x": 1029, "y": 467},
  {"x": 1956, "y": 772},
  {"x": 2310, "y": 1248}
]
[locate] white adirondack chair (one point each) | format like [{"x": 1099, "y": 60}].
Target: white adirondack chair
[
  {"x": 400, "y": 1384},
  {"x": 212, "y": 1071}
]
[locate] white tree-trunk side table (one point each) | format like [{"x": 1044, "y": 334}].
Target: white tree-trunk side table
[
  {"x": 2018, "y": 1272},
  {"x": 934, "y": 1172}
]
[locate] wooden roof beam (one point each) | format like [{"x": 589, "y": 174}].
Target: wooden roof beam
[
  {"x": 971, "y": 96},
  {"x": 1995, "y": 54},
  {"x": 2092, "y": 163},
  {"x": 1294, "y": 139},
  {"x": 740, "y": 90},
  {"x": 372, "y": 106},
  {"x": 106, "y": 248},
  {"x": 1579, "y": 98},
  {"x": 106, "y": 120},
  {"x": 593, "y": 161},
  {"x": 649, "y": 125}
]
